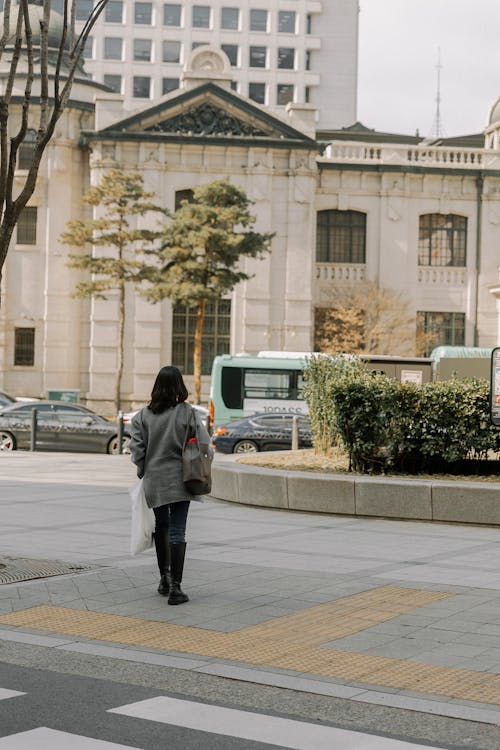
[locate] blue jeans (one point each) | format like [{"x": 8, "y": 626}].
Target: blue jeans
[{"x": 172, "y": 519}]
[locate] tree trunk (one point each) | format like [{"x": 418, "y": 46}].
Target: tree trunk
[
  {"x": 121, "y": 336},
  {"x": 197, "y": 351}
]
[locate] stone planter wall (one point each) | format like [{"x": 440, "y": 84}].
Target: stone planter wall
[{"x": 416, "y": 499}]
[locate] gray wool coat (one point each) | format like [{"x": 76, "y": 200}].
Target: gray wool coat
[{"x": 156, "y": 447}]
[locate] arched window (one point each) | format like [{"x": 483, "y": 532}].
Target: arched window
[
  {"x": 341, "y": 237},
  {"x": 26, "y": 149},
  {"x": 442, "y": 240}
]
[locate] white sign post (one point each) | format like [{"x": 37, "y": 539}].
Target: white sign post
[{"x": 495, "y": 387}]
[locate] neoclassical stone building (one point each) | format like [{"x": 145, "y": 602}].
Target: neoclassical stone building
[{"x": 346, "y": 206}]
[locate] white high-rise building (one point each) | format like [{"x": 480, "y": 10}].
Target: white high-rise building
[{"x": 280, "y": 51}]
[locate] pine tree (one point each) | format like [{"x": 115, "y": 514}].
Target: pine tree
[
  {"x": 200, "y": 252},
  {"x": 122, "y": 198}
]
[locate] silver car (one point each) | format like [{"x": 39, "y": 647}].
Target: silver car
[{"x": 60, "y": 427}]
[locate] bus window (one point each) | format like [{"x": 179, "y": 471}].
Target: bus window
[
  {"x": 231, "y": 387},
  {"x": 267, "y": 384}
]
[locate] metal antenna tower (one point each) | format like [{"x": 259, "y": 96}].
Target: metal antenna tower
[{"x": 437, "y": 128}]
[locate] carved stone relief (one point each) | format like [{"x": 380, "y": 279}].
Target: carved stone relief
[{"x": 206, "y": 119}]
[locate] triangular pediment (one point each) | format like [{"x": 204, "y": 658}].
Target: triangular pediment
[
  {"x": 208, "y": 112},
  {"x": 208, "y": 118}
]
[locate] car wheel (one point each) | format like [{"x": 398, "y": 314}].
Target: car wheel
[
  {"x": 113, "y": 445},
  {"x": 246, "y": 446},
  {"x": 7, "y": 442}
]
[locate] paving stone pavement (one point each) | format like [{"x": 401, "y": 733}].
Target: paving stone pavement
[{"x": 397, "y": 613}]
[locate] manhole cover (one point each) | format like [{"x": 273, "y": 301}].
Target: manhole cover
[{"x": 15, "y": 569}]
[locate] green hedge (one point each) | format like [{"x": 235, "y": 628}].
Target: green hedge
[{"x": 389, "y": 426}]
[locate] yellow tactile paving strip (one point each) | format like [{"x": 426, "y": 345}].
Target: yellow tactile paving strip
[{"x": 291, "y": 642}]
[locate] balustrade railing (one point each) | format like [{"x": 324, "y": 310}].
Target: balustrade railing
[
  {"x": 441, "y": 276},
  {"x": 340, "y": 272},
  {"x": 437, "y": 156},
  {"x": 427, "y": 275}
]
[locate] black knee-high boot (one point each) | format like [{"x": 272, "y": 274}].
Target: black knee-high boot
[
  {"x": 177, "y": 555},
  {"x": 163, "y": 558}
]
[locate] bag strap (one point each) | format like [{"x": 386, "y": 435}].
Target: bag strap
[
  {"x": 143, "y": 433},
  {"x": 190, "y": 423}
]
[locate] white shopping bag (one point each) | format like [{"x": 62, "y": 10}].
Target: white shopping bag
[{"x": 142, "y": 522}]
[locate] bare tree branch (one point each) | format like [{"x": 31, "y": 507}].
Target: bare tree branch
[
  {"x": 50, "y": 107},
  {"x": 4, "y": 115},
  {"x": 19, "y": 137},
  {"x": 6, "y": 27},
  {"x": 44, "y": 67}
]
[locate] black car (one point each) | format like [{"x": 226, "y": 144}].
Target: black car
[
  {"x": 261, "y": 432},
  {"x": 60, "y": 427}
]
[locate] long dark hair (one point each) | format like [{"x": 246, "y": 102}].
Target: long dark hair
[{"x": 168, "y": 390}]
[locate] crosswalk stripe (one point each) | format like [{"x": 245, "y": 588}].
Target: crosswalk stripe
[
  {"x": 44, "y": 738},
  {"x": 4, "y": 693},
  {"x": 286, "y": 733}
]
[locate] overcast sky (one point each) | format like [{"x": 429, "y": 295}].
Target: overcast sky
[{"x": 398, "y": 53}]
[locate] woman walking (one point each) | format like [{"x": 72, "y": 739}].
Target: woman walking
[{"x": 158, "y": 434}]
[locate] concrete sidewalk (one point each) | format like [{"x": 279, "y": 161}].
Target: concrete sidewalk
[{"x": 403, "y": 614}]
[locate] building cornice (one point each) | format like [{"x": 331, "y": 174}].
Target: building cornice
[{"x": 106, "y": 136}]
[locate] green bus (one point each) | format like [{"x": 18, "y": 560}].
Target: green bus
[{"x": 270, "y": 382}]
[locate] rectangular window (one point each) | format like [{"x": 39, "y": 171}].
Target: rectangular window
[
  {"x": 308, "y": 59},
  {"x": 257, "y": 92},
  {"x": 215, "y": 340},
  {"x": 26, "y": 150},
  {"x": 172, "y": 14},
  {"x": 234, "y": 86},
  {"x": 287, "y": 21},
  {"x": 171, "y": 52},
  {"x": 201, "y": 17},
  {"x": 181, "y": 197},
  {"x": 267, "y": 383},
  {"x": 286, "y": 58},
  {"x": 141, "y": 87},
  {"x": 309, "y": 24},
  {"x": 231, "y": 51},
  {"x": 284, "y": 93},
  {"x": 24, "y": 347},
  {"x": 114, "y": 11},
  {"x": 143, "y": 13},
  {"x": 258, "y": 20},
  {"x": 168, "y": 85},
  {"x": 340, "y": 236},
  {"x": 83, "y": 9},
  {"x": 230, "y": 18},
  {"x": 26, "y": 226},
  {"x": 439, "y": 329},
  {"x": 257, "y": 57},
  {"x": 142, "y": 50},
  {"x": 113, "y": 48},
  {"x": 442, "y": 240},
  {"x": 307, "y": 95},
  {"x": 114, "y": 82},
  {"x": 88, "y": 50}
]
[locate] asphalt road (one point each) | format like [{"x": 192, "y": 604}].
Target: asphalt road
[{"x": 78, "y": 694}]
